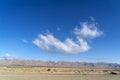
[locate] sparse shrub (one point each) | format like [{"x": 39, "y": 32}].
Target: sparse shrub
[
  {"x": 55, "y": 70},
  {"x": 48, "y": 69},
  {"x": 113, "y": 73},
  {"x": 105, "y": 70},
  {"x": 78, "y": 72}
]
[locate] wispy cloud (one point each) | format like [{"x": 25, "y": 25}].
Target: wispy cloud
[
  {"x": 50, "y": 43},
  {"x": 7, "y": 56},
  {"x": 24, "y": 40},
  {"x": 92, "y": 18},
  {"x": 58, "y": 29}
]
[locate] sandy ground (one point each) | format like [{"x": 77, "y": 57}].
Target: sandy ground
[
  {"x": 57, "y": 77},
  {"x": 44, "y": 73}
]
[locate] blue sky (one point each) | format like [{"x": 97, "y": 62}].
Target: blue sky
[{"x": 22, "y": 21}]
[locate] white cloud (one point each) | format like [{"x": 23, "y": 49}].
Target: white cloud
[
  {"x": 24, "y": 40},
  {"x": 6, "y": 56},
  {"x": 50, "y": 43},
  {"x": 88, "y": 30}
]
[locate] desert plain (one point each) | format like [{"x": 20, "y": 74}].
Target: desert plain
[{"x": 52, "y": 73}]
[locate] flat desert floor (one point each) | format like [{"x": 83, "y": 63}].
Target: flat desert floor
[
  {"x": 57, "y": 74},
  {"x": 57, "y": 77}
]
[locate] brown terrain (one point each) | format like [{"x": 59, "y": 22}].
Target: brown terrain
[{"x": 39, "y": 70}]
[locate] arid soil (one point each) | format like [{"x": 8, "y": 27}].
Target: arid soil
[{"x": 47, "y": 73}]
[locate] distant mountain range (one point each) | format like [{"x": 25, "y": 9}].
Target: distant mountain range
[{"x": 38, "y": 63}]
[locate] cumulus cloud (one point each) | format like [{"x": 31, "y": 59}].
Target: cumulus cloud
[
  {"x": 51, "y": 44},
  {"x": 86, "y": 31}
]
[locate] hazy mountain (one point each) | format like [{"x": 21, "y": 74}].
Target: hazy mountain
[{"x": 38, "y": 63}]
